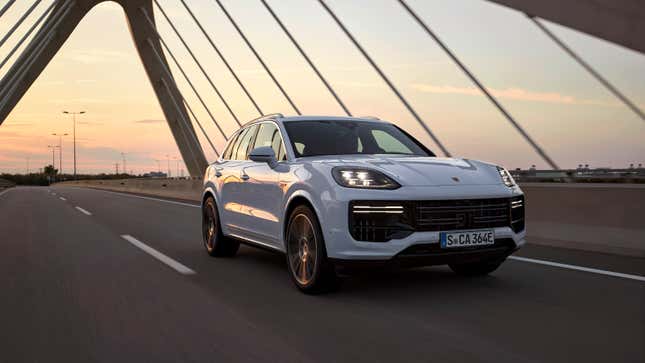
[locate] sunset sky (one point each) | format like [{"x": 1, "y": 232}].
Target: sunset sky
[{"x": 568, "y": 112}]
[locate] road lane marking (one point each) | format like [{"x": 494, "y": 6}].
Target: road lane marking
[
  {"x": 63, "y": 199},
  {"x": 579, "y": 268},
  {"x": 84, "y": 211},
  {"x": 4, "y": 191},
  {"x": 54, "y": 194},
  {"x": 159, "y": 256},
  {"x": 148, "y": 198}
]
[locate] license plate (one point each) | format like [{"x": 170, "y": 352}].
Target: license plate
[{"x": 466, "y": 238}]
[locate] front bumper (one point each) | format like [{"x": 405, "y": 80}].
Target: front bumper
[{"x": 342, "y": 246}]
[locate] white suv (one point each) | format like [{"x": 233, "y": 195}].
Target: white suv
[{"x": 329, "y": 191}]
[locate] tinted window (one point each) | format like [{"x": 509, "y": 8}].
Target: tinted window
[
  {"x": 269, "y": 135},
  {"x": 389, "y": 143},
  {"x": 241, "y": 152},
  {"x": 236, "y": 145},
  {"x": 311, "y": 138},
  {"x": 227, "y": 153}
]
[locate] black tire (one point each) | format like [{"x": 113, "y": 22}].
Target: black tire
[
  {"x": 307, "y": 262},
  {"x": 479, "y": 268},
  {"x": 217, "y": 245}
]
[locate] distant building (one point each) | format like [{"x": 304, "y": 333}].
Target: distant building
[
  {"x": 582, "y": 174},
  {"x": 155, "y": 174}
]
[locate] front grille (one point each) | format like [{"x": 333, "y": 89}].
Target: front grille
[
  {"x": 381, "y": 221},
  {"x": 449, "y": 215}
]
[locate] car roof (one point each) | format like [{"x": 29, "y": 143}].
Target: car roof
[{"x": 277, "y": 117}]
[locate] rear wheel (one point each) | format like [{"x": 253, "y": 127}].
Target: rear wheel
[
  {"x": 217, "y": 245},
  {"x": 307, "y": 260},
  {"x": 479, "y": 268}
]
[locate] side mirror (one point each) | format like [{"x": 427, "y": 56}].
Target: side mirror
[{"x": 263, "y": 154}]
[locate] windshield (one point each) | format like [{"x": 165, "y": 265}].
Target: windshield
[{"x": 313, "y": 138}]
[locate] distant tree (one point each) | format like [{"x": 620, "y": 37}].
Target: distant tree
[{"x": 50, "y": 170}]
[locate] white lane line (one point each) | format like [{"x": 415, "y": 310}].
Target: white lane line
[
  {"x": 579, "y": 268},
  {"x": 5, "y": 191},
  {"x": 147, "y": 198},
  {"x": 159, "y": 256},
  {"x": 84, "y": 211},
  {"x": 63, "y": 199}
]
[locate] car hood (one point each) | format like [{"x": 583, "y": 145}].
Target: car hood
[{"x": 416, "y": 171}]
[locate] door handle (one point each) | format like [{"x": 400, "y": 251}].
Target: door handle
[
  {"x": 245, "y": 177},
  {"x": 218, "y": 172}
]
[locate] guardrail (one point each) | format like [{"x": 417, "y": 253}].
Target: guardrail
[
  {"x": 187, "y": 189},
  {"x": 5, "y": 184},
  {"x": 606, "y": 218}
]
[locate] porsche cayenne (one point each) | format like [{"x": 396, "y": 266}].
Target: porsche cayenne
[{"x": 333, "y": 191}]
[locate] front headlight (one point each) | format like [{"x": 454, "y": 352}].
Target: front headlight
[
  {"x": 354, "y": 177},
  {"x": 507, "y": 179}
]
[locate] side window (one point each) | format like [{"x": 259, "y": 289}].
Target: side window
[
  {"x": 277, "y": 147},
  {"x": 265, "y": 135},
  {"x": 389, "y": 144},
  {"x": 229, "y": 149},
  {"x": 269, "y": 135},
  {"x": 243, "y": 146},
  {"x": 236, "y": 145}
]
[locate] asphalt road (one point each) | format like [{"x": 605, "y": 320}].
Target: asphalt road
[{"x": 74, "y": 289}]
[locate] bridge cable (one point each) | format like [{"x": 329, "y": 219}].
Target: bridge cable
[
  {"x": 588, "y": 67},
  {"x": 181, "y": 69},
  {"x": 6, "y": 7},
  {"x": 172, "y": 96},
  {"x": 219, "y": 94},
  {"x": 183, "y": 123},
  {"x": 27, "y": 34},
  {"x": 385, "y": 78},
  {"x": 221, "y": 56},
  {"x": 33, "y": 51},
  {"x": 481, "y": 87},
  {"x": 257, "y": 56},
  {"x": 200, "y": 126},
  {"x": 306, "y": 57},
  {"x": 19, "y": 22}
]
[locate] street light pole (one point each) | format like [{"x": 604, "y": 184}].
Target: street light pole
[
  {"x": 74, "y": 123},
  {"x": 168, "y": 160},
  {"x": 125, "y": 169},
  {"x": 60, "y": 151}
]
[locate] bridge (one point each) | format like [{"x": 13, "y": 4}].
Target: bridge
[{"x": 114, "y": 270}]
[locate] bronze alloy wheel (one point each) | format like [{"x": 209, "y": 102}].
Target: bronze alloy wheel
[
  {"x": 217, "y": 245},
  {"x": 209, "y": 226},
  {"x": 302, "y": 249}
]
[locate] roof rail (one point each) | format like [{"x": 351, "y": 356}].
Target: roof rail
[
  {"x": 370, "y": 117},
  {"x": 267, "y": 117}
]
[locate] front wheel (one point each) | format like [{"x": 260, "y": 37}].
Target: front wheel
[
  {"x": 307, "y": 260},
  {"x": 217, "y": 245},
  {"x": 479, "y": 268}
]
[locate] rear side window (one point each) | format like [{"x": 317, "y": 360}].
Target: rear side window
[
  {"x": 241, "y": 152},
  {"x": 269, "y": 135},
  {"x": 229, "y": 149},
  {"x": 236, "y": 144}
]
